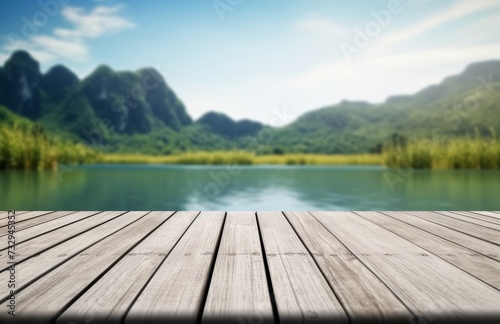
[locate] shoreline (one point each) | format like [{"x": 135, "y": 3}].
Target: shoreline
[{"x": 243, "y": 158}]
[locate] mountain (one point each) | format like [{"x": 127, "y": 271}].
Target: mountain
[
  {"x": 57, "y": 82},
  {"x": 20, "y": 85},
  {"x": 221, "y": 124},
  {"x": 137, "y": 112},
  {"x": 460, "y": 105},
  {"x": 116, "y": 110}
]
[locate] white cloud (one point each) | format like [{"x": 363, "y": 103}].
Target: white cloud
[
  {"x": 373, "y": 69},
  {"x": 47, "y": 48},
  {"x": 70, "y": 43},
  {"x": 458, "y": 10},
  {"x": 102, "y": 20},
  {"x": 384, "y": 61}
]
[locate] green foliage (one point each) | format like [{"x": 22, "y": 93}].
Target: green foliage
[
  {"x": 221, "y": 124},
  {"x": 470, "y": 152},
  {"x": 216, "y": 158},
  {"x": 359, "y": 127},
  {"x": 243, "y": 158},
  {"x": 24, "y": 145},
  {"x": 133, "y": 113}
]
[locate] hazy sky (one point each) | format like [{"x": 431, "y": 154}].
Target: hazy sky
[{"x": 251, "y": 58}]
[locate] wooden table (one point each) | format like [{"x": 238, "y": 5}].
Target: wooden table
[{"x": 251, "y": 267}]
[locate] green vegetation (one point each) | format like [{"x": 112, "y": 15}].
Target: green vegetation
[
  {"x": 135, "y": 117},
  {"x": 454, "y": 153},
  {"x": 244, "y": 158},
  {"x": 457, "y": 106},
  {"x": 24, "y": 145},
  {"x": 320, "y": 159},
  {"x": 190, "y": 158},
  {"x": 115, "y": 111},
  {"x": 30, "y": 148}
]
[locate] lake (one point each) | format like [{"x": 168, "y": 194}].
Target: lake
[{"x": 172, "y": 187}]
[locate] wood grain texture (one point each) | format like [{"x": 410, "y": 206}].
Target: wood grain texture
[
  {"x": 25, "y": 233},
  {"x": 178, "y": 288},
  {"x": 468, "y": 228},
  {"x": 488, "y": 249},
  {"x": 3, "y": 215},
  {"x": 301, "y": 292},
  {"x": 25, "y": 216},
  {"x": 482, "y": 217},
  {"x": 128, "y": 277},
  {"x": 41, "y": 219},
  {"x": 48, "y": 296},
  {"x": 477, "y": 265},
  {"x": 412, "y": 273},
  {"x": 364, "y": 296},
  {"x": 239, "y": 288},
  {"x": 44, "y": 262},
  {"x": 492, "y": 214},
  {"x": 472, "y": 220},
  {"x": 264, "y": 267},
  {"x": 41, "y": 243}
]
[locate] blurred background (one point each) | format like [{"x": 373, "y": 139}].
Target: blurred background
[{"x": 250, "y": 105}]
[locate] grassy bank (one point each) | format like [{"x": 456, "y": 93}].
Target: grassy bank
[
  {"x": 245, "y": 158},
  {"x": 30, "y": 148},
  {"x": 458, "y": 153}
]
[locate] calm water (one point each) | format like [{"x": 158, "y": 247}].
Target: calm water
[{"x": 138, "y": 187}]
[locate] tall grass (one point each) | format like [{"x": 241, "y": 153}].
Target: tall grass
[
  {"x": 320, "y": 159},
  {"x": 31, "y": 148},
  {"x": 470, "y": 152},
  {"x": 245, "y": 158}
]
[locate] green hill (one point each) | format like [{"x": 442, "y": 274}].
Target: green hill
[
  {"x": 460, "y": 105},
  {"x": 137, "y": 112},
  {"x": 114, "y": 111}
]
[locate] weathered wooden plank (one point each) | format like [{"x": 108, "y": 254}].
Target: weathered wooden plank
[
  {"x": 460, "y": 226},
  {"x": 3, "y": 215},
  {"x": 46, "y": 227},
  {"x": 47, "y": 297},
  {"x": 364, "y": 296},
  {"x": 127, "y": 278},
  {"x": 301, "y": 292},
  {"x": 477, "y": 265},
  {"x": 429, "y": 286},
  {"x": 486, "y": 248},
  {"x": 41, "y": 220},
  {"x": 239, "y": 289},
  {"x": 46, "y": 261},
  {"x": 25, "y": 216},
  {"x": 469, "y": 219},
  {"x": 26, "y": 249},
  {"x": 177, "y": 290},
  {"x": 479, "y": 216},
  {"x": 493, "y": 214}
]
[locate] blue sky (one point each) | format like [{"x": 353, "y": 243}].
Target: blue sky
[{"x": 256, "y": 58}]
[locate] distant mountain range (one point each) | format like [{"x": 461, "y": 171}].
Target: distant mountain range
[{"x": 139, "y": 112}]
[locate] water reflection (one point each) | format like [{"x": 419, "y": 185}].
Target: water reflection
[{"x": 126, "y": 187}]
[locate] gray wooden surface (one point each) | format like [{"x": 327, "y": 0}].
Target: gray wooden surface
[
  {"x": 253, "y": 267},
  {"x": 239, "y": 289}
]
